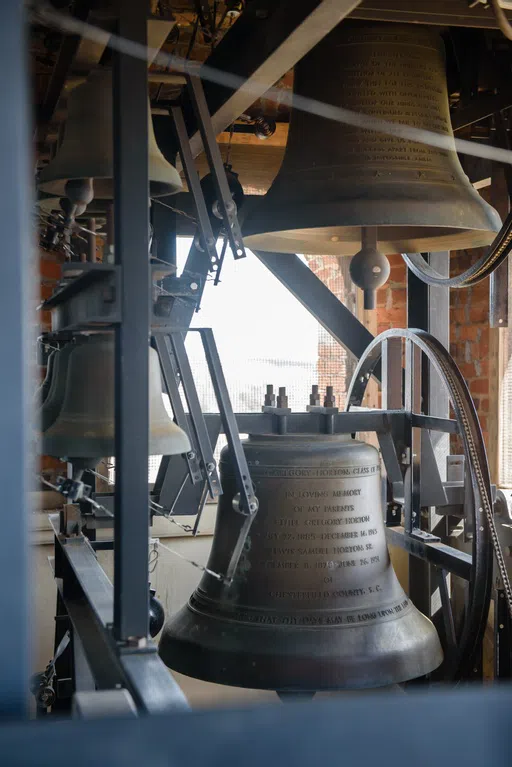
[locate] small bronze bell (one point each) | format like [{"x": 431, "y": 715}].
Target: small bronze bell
[
  {"x": 315, "y": 603},
  {"x": 337, "y": 179},
  {"x": 51, "y": 393},
  {"x": 84, "y": 427},
  {"x": 87, "y": 148}
]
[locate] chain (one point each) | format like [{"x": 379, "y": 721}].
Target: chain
[
  {"x": 153, "y": 557},
  {"x": 203, "y": 569}
]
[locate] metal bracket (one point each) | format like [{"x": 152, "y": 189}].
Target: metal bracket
[
  {"x": 208, "y": 241},
  {"x": 89, "y": 296},
  {"x": 86, "y": 297},
  {"x": 422, "y": 535},
  {"x": 170, "y": 374},
  {"x": 247, "y": 504},
  {"x": 202, "y": 439},
  {"x": 227, "y": 207}
]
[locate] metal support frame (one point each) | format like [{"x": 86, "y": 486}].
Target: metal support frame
[
  {"x": 225, "y": 203},
  {"x": 17, "y": 272},
  {"x": 87, "y": 600},
  {"x": 316, "y": 297},
  {"x": 385, "y": 423},
  {"x": 427, "y": 309},
  {"x": 130, "y": 93},
  {"x": 503, "y": 637},
  {"x": 329, "y": 727},
  {"x": 171, "y": 482},
  {"x": 130, "y": 615}
]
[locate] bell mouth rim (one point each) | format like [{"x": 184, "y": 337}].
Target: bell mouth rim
[
  {"x": 300, "y": 436},
  {"x": 104, "y": 187},
  {"x": 250, "y": 662},
  {"x": 346, "y": 240}
]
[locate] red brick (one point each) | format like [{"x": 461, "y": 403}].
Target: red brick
[
  {"x": 480, "y": 299},
  {"x": 467, "y": 369},
  {"x": 479, "y": 314},
  {"x": 458, "y": 351},
  {"x": 484, "y": 335},
  {"x": 479, "y": 386},
  {"x": 483, "y": 365},
  {"x": 483, "y": 422},
  {"x": 458, "y": 316},
  {"x": 46, "y": 291},
  {"x": 397, "y": 274},
  {"x": 50, "y": 463},
  {"x": 49, "y": 269},
  {"x": 396, "y": 317},
  {"x": 484, "y": 405},
  {"x": 398, "y": 297},
  {"x": 480, "y": 350},
  {"x": 467, "y": 332},
  {"x": 45, "y": 319},
  {"x": 395, "y": 259}
]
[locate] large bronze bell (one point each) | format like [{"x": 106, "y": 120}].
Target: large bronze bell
[
  {"x": 315, "y": 603},
  {"x": 84, "y": 426},
  {"x": 337, "y": 179},
  {"x": 87, "y": 148}
]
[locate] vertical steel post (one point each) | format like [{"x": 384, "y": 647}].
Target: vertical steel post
[
  {"x": 130, "y": 100},
  {"x": 428, "y": 309},
  {"x": 17, "y": 272}
]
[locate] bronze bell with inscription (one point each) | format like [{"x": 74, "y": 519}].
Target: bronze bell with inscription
[
  {"x": 338, "y": 179},
  {"x": 315, "y": 603}
]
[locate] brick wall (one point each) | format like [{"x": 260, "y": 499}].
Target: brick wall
[
  {"x": 335, "y": 365},
  {"x": 469, "y": 335},
  {"x": 469, "y": 321},
  {"x": 392, "y": 297}
]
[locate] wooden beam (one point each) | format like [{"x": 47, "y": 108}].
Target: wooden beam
[{"x": 265, "y": 43}]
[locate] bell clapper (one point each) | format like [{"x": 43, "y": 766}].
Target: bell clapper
[{"x": 369, "y": 268}]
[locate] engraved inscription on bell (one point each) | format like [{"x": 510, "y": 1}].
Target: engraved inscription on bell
[
  {"x": 323, "y": 554},
  {"x": 336, "y": 178},
  {"x": 315, "y": 603}
]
